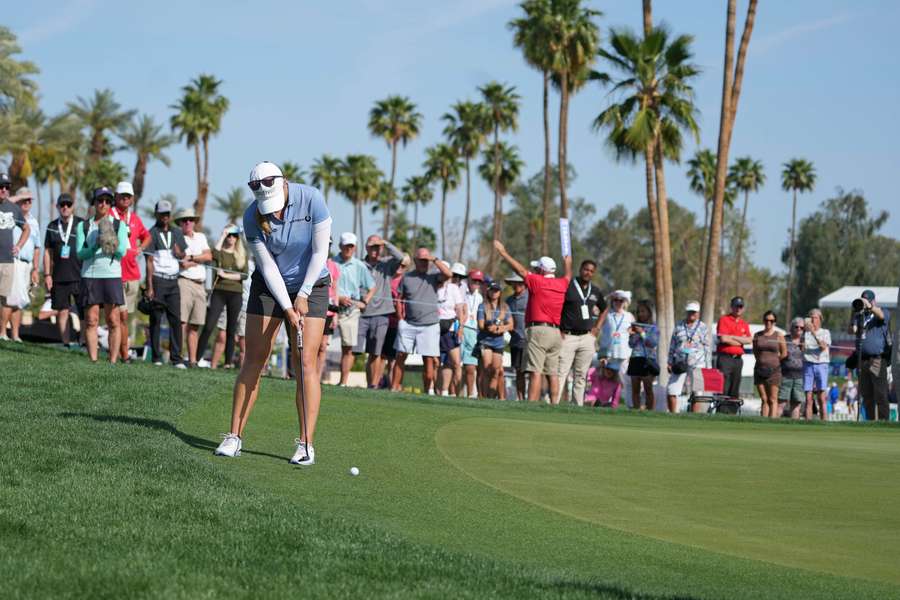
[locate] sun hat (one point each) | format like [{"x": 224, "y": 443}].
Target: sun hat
[
  {"x": 185, "y": 213},
  {"x": 458, "y": 269},
  {"x": 21, "y": 194},
  {"x": 545, "y": 264},
  {"x": 125, "y": 187},
  {"x": 268, "y": 199}
]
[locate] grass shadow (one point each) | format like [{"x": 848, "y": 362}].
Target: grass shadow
[{"x": 160, "y": 425}]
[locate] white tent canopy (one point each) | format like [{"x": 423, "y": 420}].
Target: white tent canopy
[{"x": 884, "y": 296}]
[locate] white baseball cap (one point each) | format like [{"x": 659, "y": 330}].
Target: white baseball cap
[
  {"x": 348, "y": 239},
  {"x": 125, "y": 187},
  {"x": 458, "y": 269},
  {"x": 268, "y": 199},
  {"x": 692, "y": 307},
  {"x": 545, "y": 264}
]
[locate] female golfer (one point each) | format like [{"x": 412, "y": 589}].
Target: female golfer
[{"x": 287, "y": 228}]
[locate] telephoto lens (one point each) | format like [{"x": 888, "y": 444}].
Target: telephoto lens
[{"x": 858, "y": 305}]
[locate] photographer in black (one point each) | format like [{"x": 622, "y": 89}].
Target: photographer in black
[{"x": 871, "y": 325}]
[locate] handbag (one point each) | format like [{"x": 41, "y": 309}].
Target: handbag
[{"x": 680, "y": 364}]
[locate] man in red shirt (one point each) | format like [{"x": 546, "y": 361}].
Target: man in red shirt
[
  {"x": 546, "y": 295},
  {"x": 138, "y": 238},
  {"x": 733, "y": 333}
]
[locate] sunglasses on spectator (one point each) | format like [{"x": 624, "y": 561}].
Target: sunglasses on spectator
[
  {"x": 796, "y": 326},
  {"x": 103, "y": 200},
  {"x": 265, "y": 182},
  {"x": 189, "y": 220},
  {"x": 25, "y": 201},
  {"x": 5, "y": 186},
  {"x": 65, "y": 205},
  {"x": 768, "y": 320}
]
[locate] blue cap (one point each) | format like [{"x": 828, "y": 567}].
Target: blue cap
[
  {"x": 103, "y": 191},
  {"x": 233, "y": 230}
]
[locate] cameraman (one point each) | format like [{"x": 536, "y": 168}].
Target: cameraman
[{"x": 871, "y": 325}]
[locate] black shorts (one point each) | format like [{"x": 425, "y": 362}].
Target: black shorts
[
  {"x": 517, "y": 358},
  {"x": 65, "y": 295},
  {"x": 329, "y": 325},
  {"x": 101, "y": 291},
  {"x": 262, "y": 302},
  {"x": 388, "y": 351},
  {"x": 639, "y": 367}
]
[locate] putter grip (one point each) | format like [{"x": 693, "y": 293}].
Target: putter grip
[{"x": 299, "y": 338}]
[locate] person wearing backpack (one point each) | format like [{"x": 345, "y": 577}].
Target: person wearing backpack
[
  {"x": 100, "y": 244},
  {"x": 689, "y": 351}
]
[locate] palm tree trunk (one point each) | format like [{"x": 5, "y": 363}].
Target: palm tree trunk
[
  {"x": 740, "y": 244},
  {"x": 790, "y": 282},
  {"x": 704, "y": 245},
  {"x": 386, "y": 226},
  {"x": 200, "y": 204},
  {"x": 497, "y": 213},
  {"x": 648, "y": 17},
  {"x": 658, "y": 278},
  {"x": 665, "y": 311},
  {"x": 547, "y": 183},
  {"x": 416, "y": 224},
  {"x": 96, "y": 146},
  {"x": 443, "y": 219},
  {"x": 462, "y": 243},
  {"x": 710, "y": 280},
  {"x": 140, "y": 173},
  {"x": 563, "y": 126},
  {"x": 355, "y": 217},
  {"x": 362, "y": 232}
]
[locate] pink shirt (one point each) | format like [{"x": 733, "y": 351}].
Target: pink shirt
[
  {"x": 602, "y": 391},
  {"x": 335, "y": 270}
]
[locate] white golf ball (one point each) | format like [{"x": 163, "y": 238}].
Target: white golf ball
[{"x": 354, "y": 471}]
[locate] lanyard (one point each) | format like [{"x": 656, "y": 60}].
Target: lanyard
[
  {"x": 583, "y": 296},
  {"x": 115, "y": 213},
  {"x": 65, "y": 240},
  {"x": 689, "y": 333},
  {"x": 166, "y": 239},
  {"x": 619, "y": 324}
]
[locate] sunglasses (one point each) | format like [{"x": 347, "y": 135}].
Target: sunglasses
[
  {"x": 25, "y": 201},
  {"x": 768, "y": 320},
  {"x": 5, "y": 186},
  {"x": 65, "y": 205},
  {"x": 189, "y": 220},
  {"x": 265, "y": 182},
  {"x": 104, "y": 200},
  {"x": 796, "y": 326}
]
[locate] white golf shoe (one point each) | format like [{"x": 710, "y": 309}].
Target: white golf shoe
[
  {"x": 230, "y": 446},
  {"x": 305, "y": 455}
]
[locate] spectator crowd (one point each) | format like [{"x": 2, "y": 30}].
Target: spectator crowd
[{"x": 564, "y": 339}]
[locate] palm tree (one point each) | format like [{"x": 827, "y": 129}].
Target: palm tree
[
  {"x": 325, "y": 172},
  {"x": 98, "y": 115},
  {"x": 417, "y": 191},
  {"x": 148, "y": 141},
  {"x": 443, "y": 164},
  {"x": 655, "y": 107},
  {"x": 799, "y": 175},
  {"x": 503, "y": 111},
  {"x": 198, "y": 117},
  {"x": 360, "y": 181},
  {"x": 466, "y": 129},
  {"x": 20, "y": 133},
  {"x": 702, "y": 180},
  {"x": 16, "y": 84},
  {"x": 572, "y": 41},
  {"x": 531, "y": 35},
  {"x": 505, "y": 157},
  {"x": 395, "y": 120},
  {"x": 746, "y": 175},
  {"x": 731, "y": 93},
  {"x": 292, "y": 172},
  {"x": 232, "y": 205}
]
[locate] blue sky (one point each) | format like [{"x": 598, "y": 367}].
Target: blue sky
[{"x": 302, "y": 76}]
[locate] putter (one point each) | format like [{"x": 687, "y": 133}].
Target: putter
[{"x": 302, "y": 393}]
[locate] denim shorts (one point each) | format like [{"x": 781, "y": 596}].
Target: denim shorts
[{"x": 815, "y": 377}]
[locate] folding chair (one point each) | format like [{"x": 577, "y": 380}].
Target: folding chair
[{"x": 711, "y": 393}]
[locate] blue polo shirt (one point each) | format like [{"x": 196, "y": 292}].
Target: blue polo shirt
[
  {"x": 290, "y": 242},
  {"x": 355, "y": 280},
  {"x": 877, "y": 335}
]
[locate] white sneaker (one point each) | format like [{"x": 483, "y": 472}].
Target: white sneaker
[
  {"x": 445, "y": 394},
  {"x": 180, "y": 366},
  {"x": 203, "y": 363},
  {"x": 304, "y": 456},
  {"x": 230, "y": 446},
  {"x": 17, "y": 340},
  {"x": 157, "y": 363},
  {"x": 3, "y": 338}
]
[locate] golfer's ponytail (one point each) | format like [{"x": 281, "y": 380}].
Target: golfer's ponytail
[{"x": 263, "y": 223}]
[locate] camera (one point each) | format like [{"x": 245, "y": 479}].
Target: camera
[
  {"x": 498, "y": 322},
  {"x": 858, "y": 305}
]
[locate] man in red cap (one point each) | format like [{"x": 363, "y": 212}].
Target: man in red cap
[{"x": 546, "y": 295}]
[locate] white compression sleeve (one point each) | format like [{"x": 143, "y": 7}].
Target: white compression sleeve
[
  {"x": 271, "y": 275},
  {"x": 321, "y": 239}
]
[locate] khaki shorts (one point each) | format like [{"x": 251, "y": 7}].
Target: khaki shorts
[
  {"x": 543, "y": 345},
  {"x": 349, "y": 324},
  {"x": 7, "y": 273},
  {"x": 193, "y": 301},
  {"x": 132, "y": 290}
]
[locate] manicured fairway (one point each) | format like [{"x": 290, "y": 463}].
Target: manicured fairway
[{"x": 109, "y": 489}]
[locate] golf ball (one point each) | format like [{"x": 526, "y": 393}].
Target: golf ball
[{"x": 354, "y": 471}]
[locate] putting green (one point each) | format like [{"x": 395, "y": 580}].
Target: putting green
[{"x": 811, "y": 498}]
